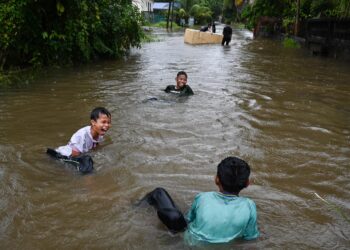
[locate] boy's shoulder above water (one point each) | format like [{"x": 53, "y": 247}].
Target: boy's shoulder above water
[
  {"x": 185, "y": 90},
  {"x": 181, "y": 88}
]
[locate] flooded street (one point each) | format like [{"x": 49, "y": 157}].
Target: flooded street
[{"x": 283, "y": 111}]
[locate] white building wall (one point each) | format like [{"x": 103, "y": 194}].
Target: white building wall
[{"x": 144, "y": 5}]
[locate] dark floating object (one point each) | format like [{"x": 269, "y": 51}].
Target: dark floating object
[
  {"x": 83, "y": 163},
  {"x": 167, "y": 211}
]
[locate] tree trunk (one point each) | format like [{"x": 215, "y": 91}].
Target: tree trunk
[
  {"x": 172, "y": 14},
  {"x": 297, "y": 17},
  {"x": 167, "y": 21}
]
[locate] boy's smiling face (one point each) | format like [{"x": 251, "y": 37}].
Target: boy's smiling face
[
  {"x": 100, "y": 126},
  {"x": 181, "y": 81}
]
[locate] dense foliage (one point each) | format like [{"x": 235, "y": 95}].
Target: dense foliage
[
  {"x": 201, "y": 14},
  {"x": 203, "y": 11},
  {"x": 48, "y": 32},
  {"x": 286, "y": 10},
  {"x": 229, "y": 11}
]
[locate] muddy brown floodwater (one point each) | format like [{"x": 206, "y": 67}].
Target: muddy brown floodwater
[{"x": 283, "y": 111}]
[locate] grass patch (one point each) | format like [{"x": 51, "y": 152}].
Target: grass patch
[
  {"x": 290, "y": 43},
  {"x": 163, "y": 25},
  {"x": 239, "y": 25},
  {"x": 149, "y": 38}
]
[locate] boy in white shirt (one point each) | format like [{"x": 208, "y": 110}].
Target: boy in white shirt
[{"x": 88, "y": 137}]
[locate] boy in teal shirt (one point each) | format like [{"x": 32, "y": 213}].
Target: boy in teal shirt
[
  {"x": 214, "y": 217},
  {"x": 219, "y": 217}
]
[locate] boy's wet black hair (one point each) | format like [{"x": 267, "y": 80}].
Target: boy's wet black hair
[
  {"x": 233, "y": 174},
  {"x": 95, "y": 113},
  {"x": 181, "y": 73}
]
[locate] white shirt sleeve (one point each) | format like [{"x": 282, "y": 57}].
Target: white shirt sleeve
[
  {"x": 76, "y": 142},
  {"x": 80, "y": 141},
  {"x": 64, "y": 150}
]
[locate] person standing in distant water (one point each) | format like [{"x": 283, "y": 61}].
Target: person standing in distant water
[
  {"x": 181, "y": 88},
  {"x": 227, "y": 33},
  {"x": 213, "y": 27}
]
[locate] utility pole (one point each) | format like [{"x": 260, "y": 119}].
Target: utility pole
[
  {"x": 167, "y": 21},
  {"x": 297, "y": 17},
  {"x": 172, "y": 15}
]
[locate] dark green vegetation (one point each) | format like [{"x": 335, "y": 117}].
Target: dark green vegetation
[
  {"x": 290, "y": 43},
  {"x": 38, "y": 33},
  {"x": 287, "y": 9},
  {"x": 203, "y": 11}
]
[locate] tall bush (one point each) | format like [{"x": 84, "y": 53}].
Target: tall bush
[
  {"x": 286, "y": 10},
  {"x": 201, "y": 14},
  {"x": 46, "y": 32}
]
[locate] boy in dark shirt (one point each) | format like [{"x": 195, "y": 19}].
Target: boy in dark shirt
[{"x": 181, "y": 88}]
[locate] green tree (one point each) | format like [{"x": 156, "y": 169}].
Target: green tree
[
  {"x": 318, "y": 8},
  {"x": 271, "y": 8},
  {"x": 229, "y": 10},
  {"x": 286, "y": 10},
  {"x": 182, "y": 13},
  {"x": 46, "y": 32},
  {"x": 343, "y": 8},
  {"x": 216, "y": 6},
  {"x": 201, "y": 14},
  {"x": 188, "y": 4}
]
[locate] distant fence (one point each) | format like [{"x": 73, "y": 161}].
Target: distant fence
[{"x": 328, "y": 36}]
